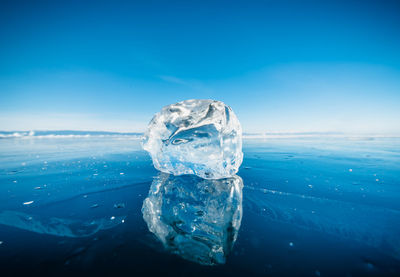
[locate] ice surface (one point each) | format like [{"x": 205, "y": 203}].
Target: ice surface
[
  {"x": 62, "y": 227},
  {"x": 195, "y": 218},
  {"x": 201, "y": 137},
  {"x": 345, "y": 217}
]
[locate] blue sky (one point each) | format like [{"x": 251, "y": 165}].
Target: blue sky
[{"x": 284, "y": 66}]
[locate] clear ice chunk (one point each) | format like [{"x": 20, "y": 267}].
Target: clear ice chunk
[
  {"x": 195, "y": 218},
  {"x": 201, "y": 137}
]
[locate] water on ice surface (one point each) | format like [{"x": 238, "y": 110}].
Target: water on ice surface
[
  {"x": 201, "y": 137},
  {"x": 56, "y": 226},
  {"x": 195, "y": 218}
]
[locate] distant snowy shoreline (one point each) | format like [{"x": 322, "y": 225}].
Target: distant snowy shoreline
[
  {"x": 138, "y": 135},
  {"x": 65, "y": 134}
]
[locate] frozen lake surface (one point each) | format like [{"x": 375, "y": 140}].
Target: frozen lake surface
[{"x": 72, "y": 206}]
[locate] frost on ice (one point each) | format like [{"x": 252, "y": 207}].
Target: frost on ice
[
  {"x": 195, "y": 218},
  {"x": 201, "y": 137}
]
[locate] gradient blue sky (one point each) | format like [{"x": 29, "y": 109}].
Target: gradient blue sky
[{"x": 281, "y": 65}]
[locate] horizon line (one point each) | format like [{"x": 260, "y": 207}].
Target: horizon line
[{"x": 263, "y": 134}]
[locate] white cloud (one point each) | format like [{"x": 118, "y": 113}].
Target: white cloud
[{"x": 174, "y": 80}]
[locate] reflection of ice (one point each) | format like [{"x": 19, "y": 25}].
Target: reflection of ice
[
  {"x": 195, "y": 218},
  {"x": 57, "y": 226}
]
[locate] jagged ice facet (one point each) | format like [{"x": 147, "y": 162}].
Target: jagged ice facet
[{"x": 201, "y": 137}]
